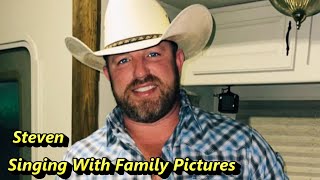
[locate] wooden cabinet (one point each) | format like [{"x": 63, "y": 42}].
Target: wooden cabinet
[{"x": 250, "y": 48}]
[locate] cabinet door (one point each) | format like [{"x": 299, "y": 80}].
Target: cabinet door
[{"x": 249, "y": 38}]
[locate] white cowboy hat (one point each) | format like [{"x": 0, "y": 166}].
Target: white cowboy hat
[{"x": 137, "y": 24}]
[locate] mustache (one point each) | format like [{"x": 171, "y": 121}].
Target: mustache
[{"x": 148, "y": 78}]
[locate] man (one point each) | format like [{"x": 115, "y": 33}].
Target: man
[{"x": 143, "y": 60}]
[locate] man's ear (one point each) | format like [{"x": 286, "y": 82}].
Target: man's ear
[
  {"x": 106, "y": 72},
  {"x": 179, "y": 60}
]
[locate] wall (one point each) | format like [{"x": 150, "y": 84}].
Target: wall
[
  {"x": 267, "y": 92},
  {"x": 41, "y": 27},
  {"x": 279, "y": 92},
  {"x": 256, "y": 93}
]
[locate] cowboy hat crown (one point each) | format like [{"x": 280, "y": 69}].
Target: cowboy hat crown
[{"x": 128, "y": 24}]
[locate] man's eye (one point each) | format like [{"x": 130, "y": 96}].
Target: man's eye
[
  {"x": 122, "y": 61},
  {"x": 153, "y": 54}
]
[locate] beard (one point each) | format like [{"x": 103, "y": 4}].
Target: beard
[{"x": 152, "y": 109}]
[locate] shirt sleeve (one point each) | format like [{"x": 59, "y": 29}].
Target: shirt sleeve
[{"x": 264, "y": 162}]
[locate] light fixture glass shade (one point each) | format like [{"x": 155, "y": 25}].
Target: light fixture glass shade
[{"x": 298, "y": 9}]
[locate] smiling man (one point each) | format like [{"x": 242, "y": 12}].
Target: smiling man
[
  {"x": 143, "y": 59},
  {"x": 145, "y": 83}
]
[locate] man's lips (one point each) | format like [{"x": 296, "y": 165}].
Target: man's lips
[{"x": 144, "y": 87}]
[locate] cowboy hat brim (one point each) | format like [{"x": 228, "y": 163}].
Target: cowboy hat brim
[{"x": 191, "y": 30}]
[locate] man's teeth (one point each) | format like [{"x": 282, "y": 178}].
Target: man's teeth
[{"x": 143, "y": 89}]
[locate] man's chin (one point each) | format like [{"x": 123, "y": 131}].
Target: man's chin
[
  {"x": 149, "y": 105},
  {"x": 147, "y": 111}
]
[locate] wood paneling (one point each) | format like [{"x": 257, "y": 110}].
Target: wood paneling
[{"x": 86, "y": 27}]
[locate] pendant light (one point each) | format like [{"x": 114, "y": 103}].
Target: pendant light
[{"x": 299, "y": 10}]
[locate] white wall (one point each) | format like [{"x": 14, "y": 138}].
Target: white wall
[
  {"x": 41, "y": 26},
  {"x": 269, "y": 92},
  {"x": 275, "y": 92}
]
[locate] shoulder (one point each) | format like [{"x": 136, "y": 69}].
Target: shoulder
[
  {"x": 223, "y": 132},
  {"x": 89, "y": 146}
]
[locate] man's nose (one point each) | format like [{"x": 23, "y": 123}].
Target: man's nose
[{"x": 141, "y": 69}]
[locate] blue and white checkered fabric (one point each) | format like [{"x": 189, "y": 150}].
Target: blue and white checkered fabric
[{"x": 199, "y": 135}]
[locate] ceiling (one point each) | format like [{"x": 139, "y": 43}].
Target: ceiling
[{"x": 181, "y": 4}]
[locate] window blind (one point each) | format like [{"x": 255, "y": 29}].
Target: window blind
[{"x": 292, "y": 128}]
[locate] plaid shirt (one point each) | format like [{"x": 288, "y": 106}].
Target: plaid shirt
[{"x": 198, "y": 135}]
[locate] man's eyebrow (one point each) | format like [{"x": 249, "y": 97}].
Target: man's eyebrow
[
  {"x": 112, "y": 57},
  {"x": 159, "y": 47}
]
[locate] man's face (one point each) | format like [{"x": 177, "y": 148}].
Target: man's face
[{"x": 145, "y": 83}]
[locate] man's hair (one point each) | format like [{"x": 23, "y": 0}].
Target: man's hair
[{"x": 174, "y": 49}]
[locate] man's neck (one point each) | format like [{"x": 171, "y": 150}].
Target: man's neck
[{"x": 151, "y": 137}]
